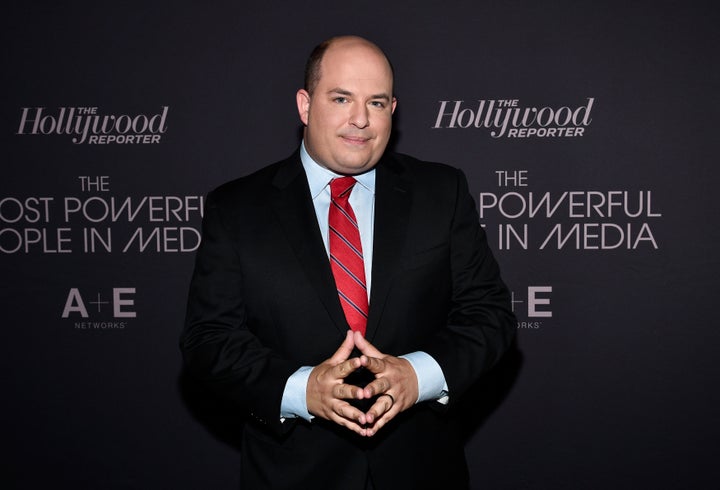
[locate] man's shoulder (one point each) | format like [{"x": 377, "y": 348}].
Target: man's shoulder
[
  {"x": 255, "y": 183},
  {"x": 416, "y": 169}
]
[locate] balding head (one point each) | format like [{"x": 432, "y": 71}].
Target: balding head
[{"x": 313, "y": 67}]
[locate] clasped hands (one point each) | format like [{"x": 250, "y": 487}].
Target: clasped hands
[{"x": 395, "y": 386}]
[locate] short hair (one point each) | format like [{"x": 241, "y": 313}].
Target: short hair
[{"x": 312, "y": 67}]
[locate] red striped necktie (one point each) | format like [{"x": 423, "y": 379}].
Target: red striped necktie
[{"x": 346, "y": 258}]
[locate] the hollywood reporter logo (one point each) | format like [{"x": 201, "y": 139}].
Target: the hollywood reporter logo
[
  {"x": 109, "y": 311},
  {"x": 508, "y": 118},
  {"x": 87, "y": 125}
]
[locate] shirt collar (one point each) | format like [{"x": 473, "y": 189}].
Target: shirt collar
[{"x": 319, "y": 177}]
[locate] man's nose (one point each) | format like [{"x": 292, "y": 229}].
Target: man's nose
[{"x": 359, "y": 116}]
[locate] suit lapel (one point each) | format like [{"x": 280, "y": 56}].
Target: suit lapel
[
  {"x": 294, "y": 209},
  {"x": 393, "y": 197},
  {"x": 295, "y": 212}
]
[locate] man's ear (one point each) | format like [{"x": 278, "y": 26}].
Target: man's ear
[{"x": 303, "y": 105}]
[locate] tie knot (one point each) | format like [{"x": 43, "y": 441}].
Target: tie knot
[{"x": 341, "y": 186}]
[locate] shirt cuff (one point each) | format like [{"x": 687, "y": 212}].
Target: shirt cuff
[
  {"x": 431, "y": 380},
  {"x": 294, "y": 399}
]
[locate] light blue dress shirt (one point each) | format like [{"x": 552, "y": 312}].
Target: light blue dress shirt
[{"x": 431, "y": 381}]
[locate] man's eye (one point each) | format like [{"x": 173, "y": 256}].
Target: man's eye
[
  {"x": 340, "y": 100},
  {"x": 379, "y": 104}
]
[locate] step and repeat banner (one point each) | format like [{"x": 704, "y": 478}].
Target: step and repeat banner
[{"x": 587, "y": 131}]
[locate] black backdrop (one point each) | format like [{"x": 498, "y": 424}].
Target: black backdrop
[{"x": 597, "y": 192}]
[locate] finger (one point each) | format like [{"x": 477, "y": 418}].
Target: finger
[
  {"x": 365, "y": 347},
  {"x": 377, "y": 387},
  {"x": 381, "y": 406},
  {"x": 380, "y": 423},
  {"x": 349, "y": 424},
  {"x": 347, "y": 392},
  {"x": 348, "y": 412},
  {"x": 372, "y": 428},
  {"x": 345, "y": 368},
  {"x": 348, "y": 416},
  {"x": 344, "y": 350},
  {"x": 375, "y": 365}
]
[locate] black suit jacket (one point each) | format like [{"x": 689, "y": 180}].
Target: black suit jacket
[{"x": 263, "y": 302}]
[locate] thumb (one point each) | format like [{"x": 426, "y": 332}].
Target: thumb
[
  {"x": 366, "y": 347},
  {"x": 344, "y": 350}
]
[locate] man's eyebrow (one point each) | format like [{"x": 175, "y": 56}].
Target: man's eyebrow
[{"x": 342, "y": 91}]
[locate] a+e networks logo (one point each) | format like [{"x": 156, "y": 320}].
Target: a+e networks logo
[
  {"x": 100, "y": 310},
  {"x": 536, "y": 304}
]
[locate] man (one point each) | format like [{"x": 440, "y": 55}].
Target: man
[{"x": 306, "y": 281}]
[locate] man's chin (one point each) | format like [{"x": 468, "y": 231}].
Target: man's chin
[
  {"x": 353, "y": 166},
  {"x": 357, "y": 169}
]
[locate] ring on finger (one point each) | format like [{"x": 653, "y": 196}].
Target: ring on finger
[{"x": 392, "y": 399}]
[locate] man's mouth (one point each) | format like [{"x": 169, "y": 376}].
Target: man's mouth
[{"x": 355, "y": 140}]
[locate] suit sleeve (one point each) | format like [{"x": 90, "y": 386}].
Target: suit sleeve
[
  {"x": 217, "y": 346},
  {"x": 480, "y": 323}
]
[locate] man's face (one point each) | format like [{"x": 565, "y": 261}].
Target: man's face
[{"x": 348, "y": 117}]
